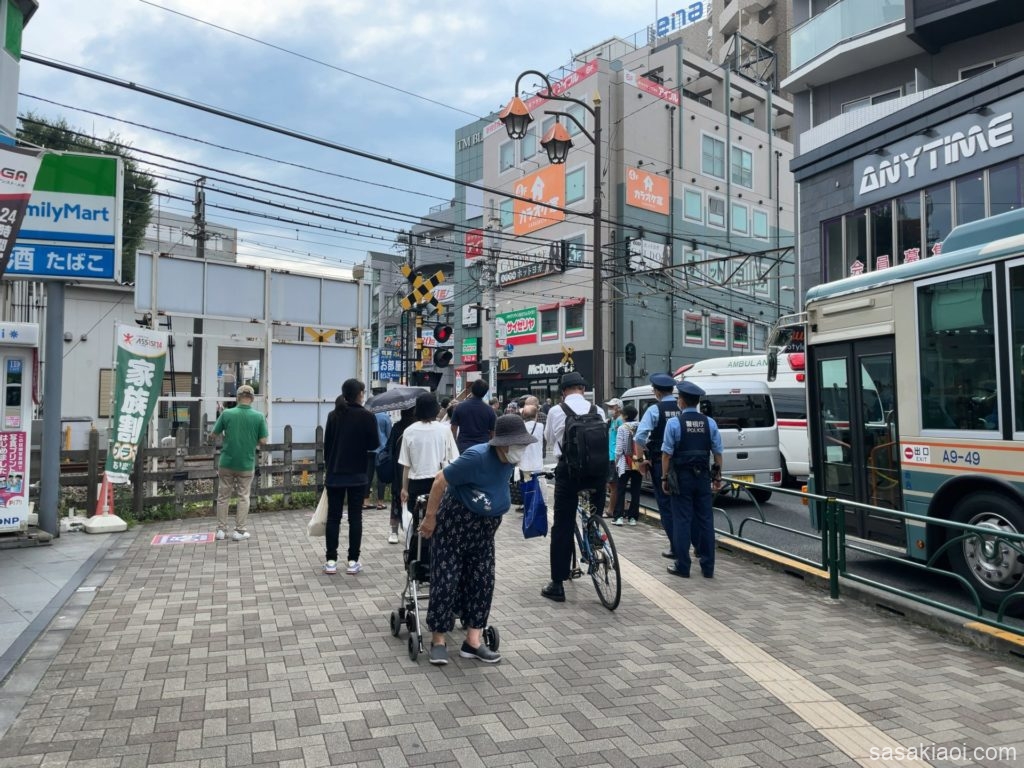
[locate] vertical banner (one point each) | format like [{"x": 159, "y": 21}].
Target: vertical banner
[
  {"x": 139, "y": 372},
  {"x": 18, "y": 168},
  {"x": 13, "y": 480}
]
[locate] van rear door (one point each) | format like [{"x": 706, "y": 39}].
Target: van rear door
[{"x": 750, "y": 437}]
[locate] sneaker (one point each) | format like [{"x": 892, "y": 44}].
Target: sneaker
[
  {"x": 438, "y": 654},
  {"x": 353, "y": 567},
  {"x": 632, "y": 521},
  {"x": 483, "y": 653},
  {"x": 220, "y": 534},
  {"x": 330, "y": 567},
  {"x": 393, "y": 537},
  {"x": 240, "y": 535},
  {"x": 618, "y": 521}
]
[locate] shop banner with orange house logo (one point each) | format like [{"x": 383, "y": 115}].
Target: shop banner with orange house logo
[
  {"x": 647, "y": 190},
  {"x": 545, "y": 186}
]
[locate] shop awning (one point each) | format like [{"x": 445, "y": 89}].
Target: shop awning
[{"x": 467, "y": 368}]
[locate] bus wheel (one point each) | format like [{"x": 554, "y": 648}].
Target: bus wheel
[{"x": 991, "y": 565}]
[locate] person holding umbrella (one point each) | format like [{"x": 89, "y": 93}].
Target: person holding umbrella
[{"x": 464, "y": 510}]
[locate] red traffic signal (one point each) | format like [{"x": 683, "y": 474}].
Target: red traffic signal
[
  {"x": 442, "y": 333},
  {"x": 425, "y": 379}
]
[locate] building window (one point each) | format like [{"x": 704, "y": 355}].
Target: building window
[
  {"x": 716, "y": 332},
  {"x": 938, "y": 212},
  {"x": 693, "y": 329},
  {"x": 959, "y": 375},
  {"x": 506, "y": 213},
  {"x": 548, "y": 322},
  {"x": 867, "y": 101},
  {"x": 693, "y": 205},
  {"x": 575, "y": 185},
  {"x": 856, "y": 241},
  {"x": 580, "y": 114},
  {"x": 712, "y": 157},
  {"x": 742, "y": 168},
  {"x": 506, "y": 156},
  {"x": 740, "y": 221},
  {"x": 760, "y": 224},
  {"x": 740, "y": 334},
  {"x": 576, "y": 246},
  {"x": 716, "y": 211},
  {"x": 908, "y": 228},
  {"x": 574, "y": 320},
  {"x": 1004, "y": 188},
  {"x": 832, "y": 239},
  {"x": 529, "y": 145},
  {"x": 881, "y": 235},
  {"x": 546, "y": 126},
  {"x": 970, "y": 197},
  {"x": 1016, "y": 280}
]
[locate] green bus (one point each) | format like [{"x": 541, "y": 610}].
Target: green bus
[{"x": 916, "y": 399}]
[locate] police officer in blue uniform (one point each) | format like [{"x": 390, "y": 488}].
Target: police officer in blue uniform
[
  {"x": 649, "y": 436},
  {"x": 686, "y": 476}
]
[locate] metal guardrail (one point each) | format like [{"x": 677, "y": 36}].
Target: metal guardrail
[{"x": 835, "y": 546}]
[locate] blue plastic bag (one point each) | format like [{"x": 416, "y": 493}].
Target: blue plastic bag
[{"x": 535, "y": 510}]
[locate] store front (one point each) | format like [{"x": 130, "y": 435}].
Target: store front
[{"x": 539, "y": 374}]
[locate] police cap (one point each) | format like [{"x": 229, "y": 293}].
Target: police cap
[
  {"x": 690, "y": 389},
  {"x": 662, "y": 381}
]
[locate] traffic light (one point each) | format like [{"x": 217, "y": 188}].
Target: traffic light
[
  {"x": 425, "y": 379},
  {"x": 443, "y": 358},
  {"x": 630, "y": 354},
  {"x": 442, "y": 333}
]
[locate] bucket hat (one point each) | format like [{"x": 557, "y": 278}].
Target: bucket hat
[
  {"x": 511, "y": 430},
  {"x": 572, "y": 379}
]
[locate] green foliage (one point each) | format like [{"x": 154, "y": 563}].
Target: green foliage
[{"x": 138, "y": 185}]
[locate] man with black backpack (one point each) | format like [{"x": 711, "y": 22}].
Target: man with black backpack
[
  {"x": 649, "y": 436},
  {"x": 576, "y": 429}
]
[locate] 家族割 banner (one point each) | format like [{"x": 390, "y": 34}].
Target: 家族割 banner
[{"x": 139, "y": 374}]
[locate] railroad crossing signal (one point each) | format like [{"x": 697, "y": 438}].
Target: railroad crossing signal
[{"x": 422, "y": 289}]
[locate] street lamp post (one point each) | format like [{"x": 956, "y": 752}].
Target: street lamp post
[{"x": 556, "y": 142}]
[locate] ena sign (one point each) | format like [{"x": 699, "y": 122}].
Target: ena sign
[{"x": 684, "y": 17}]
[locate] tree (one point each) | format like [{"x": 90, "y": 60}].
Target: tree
[{"x": 138, "y": 185}]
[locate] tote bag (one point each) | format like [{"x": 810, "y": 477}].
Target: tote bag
[
  {"x": 317, "y": 525},
  {"x": 535, "y": 512}
]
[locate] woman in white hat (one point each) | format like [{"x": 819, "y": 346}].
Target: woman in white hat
[{"x": 464, "y": 510}]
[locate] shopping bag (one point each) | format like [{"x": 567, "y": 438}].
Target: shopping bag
[
  {"x": 535, "y": 510},
  {"x": 317, "y": 525}
]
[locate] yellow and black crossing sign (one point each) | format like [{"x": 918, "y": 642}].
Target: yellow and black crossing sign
[{"x": 422, "y": 289}]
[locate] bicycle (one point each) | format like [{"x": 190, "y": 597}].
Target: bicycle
[{"x": 597, "y": 552}]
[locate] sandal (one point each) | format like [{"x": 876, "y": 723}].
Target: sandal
[{"x": 382, "y": 506}]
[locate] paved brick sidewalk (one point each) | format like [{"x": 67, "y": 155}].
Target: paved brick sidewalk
[{"x": 237, "y": 654}]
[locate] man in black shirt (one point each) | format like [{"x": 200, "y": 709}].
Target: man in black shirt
[{"x": 473, "y": 420}]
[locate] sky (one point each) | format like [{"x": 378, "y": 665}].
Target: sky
[{"x": 393, "y": 78}]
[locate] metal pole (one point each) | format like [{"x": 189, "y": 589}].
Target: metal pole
[
  {"x": 53, "y": 383},
  {"x": 491, "y": 315},
  {"x": 598, "y": 282},
  {"x": 195, "y": 408}
]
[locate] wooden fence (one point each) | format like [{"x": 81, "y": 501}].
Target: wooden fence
[{"x": 173, "y": 475}]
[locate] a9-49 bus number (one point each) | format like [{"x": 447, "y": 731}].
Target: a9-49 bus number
[{"x": 965, "y": 457}]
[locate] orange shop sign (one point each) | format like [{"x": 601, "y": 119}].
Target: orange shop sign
[
  {"x": 545, "y": 186},
  {"x": 647, "y": 190}
]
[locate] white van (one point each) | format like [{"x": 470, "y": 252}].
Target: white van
[
  {"x": 745, "y": 416},
  {"x": 789, "y": 393}
]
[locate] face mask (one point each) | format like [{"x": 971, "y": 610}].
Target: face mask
[{"x": 514, "y": 453}]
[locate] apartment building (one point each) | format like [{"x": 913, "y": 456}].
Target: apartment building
[{"x": 905, "y": 126}]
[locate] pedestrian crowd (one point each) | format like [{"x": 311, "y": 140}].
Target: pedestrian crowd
[{"x": 447, "y": 472}]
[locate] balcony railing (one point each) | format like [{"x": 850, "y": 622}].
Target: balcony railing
[{"x": 845, "y": 20}]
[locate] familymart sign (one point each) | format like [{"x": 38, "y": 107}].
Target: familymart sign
[{"x": 72, "y": 225}]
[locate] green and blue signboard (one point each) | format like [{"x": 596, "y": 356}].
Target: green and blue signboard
[{"x": 72, "y": 225}]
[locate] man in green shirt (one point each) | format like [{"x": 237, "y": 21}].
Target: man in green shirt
[{"x": 244, "y": 429}]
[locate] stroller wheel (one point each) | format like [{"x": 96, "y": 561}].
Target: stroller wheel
[
  {"x": 396, "y": 625},
  {"x": 410, "y": 622},
  {"x": 401, "y": 614},
  {"x": 414, "y": 646},
  {"x": 491, "y": 638}
]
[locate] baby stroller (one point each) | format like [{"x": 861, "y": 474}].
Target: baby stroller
[{"x": 416, "y": 557}]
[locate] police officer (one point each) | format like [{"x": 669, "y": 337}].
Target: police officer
[
  {"x": 689, "y": 438},
  {"x": 649, "y": 436}
]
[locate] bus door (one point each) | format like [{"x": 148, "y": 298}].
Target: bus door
[{"x": 856, "y": 449}]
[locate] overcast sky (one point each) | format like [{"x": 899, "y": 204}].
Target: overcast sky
[{"x": 465, "y": 55}]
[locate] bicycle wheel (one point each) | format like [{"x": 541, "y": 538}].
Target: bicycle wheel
[{"x": 604, "y": 565}]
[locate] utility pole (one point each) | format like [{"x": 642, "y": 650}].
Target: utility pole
[{"x": 195, "y": 408}]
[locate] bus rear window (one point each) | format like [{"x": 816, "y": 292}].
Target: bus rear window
[{"x": 739, "y": 411}]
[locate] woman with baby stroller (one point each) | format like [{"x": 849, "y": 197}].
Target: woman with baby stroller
[{"x": 464, "y": 510}]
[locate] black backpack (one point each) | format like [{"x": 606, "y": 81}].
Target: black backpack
[{"x": 585, "y": 444}]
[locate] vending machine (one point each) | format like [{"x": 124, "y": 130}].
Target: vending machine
[{"x": 19, "y": 355}]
